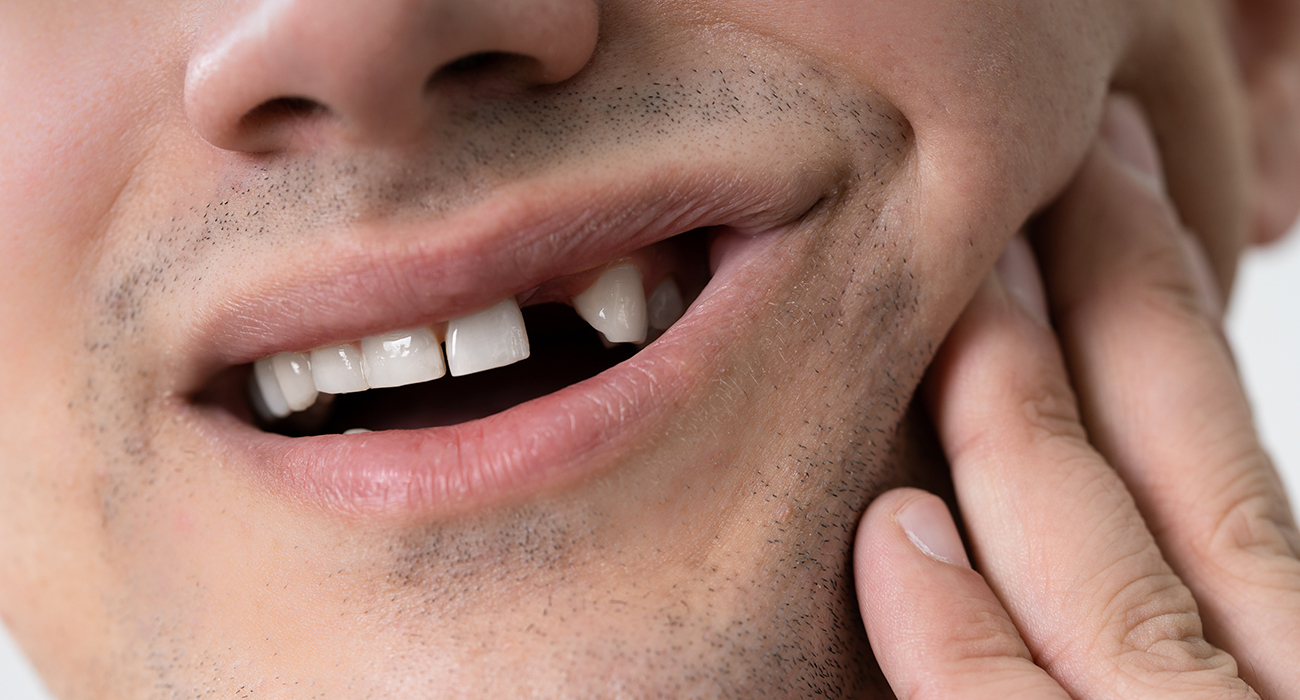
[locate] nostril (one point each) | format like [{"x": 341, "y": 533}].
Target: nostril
[
  {"x": 281, "y": 110},
  {"x": 371, "y": 69},
  {"x": 484, "y": 68},
  {"x": 475, "y": 63}
]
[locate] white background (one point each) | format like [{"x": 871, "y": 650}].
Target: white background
[{"x": 1264, "y": 324}]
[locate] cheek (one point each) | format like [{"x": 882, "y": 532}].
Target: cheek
[
  {"x": 69, "y": 137},
  {"x": 68, "y": 152},
  {"x": 75, "y": 100}
]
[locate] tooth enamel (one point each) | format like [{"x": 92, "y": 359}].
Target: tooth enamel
[
  {"x": 293, "y": 373},
  {"x": 665, "y": 305},
  {"x": 267, "y": 397},
  {"x": 356, "y": 431},
  {"x": 615, "y": 305},
  {"x": 400, "y": 358},
  {"x": 337, "y": 370},
  {"x": 493, "y": 337}
]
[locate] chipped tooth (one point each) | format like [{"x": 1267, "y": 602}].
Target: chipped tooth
[
  {"x": 268, "y": 399},
  {"x": 337, "y": 370},
  {"x": 615, "y": 305},
  {"x": 400, "y": 358},
  {"x": 665, "y": 305},
  {"x": 293, "y": 372},
  {"x": 493, "y": 337}
]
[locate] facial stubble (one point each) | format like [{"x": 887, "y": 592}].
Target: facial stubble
[{"x": 787, "y": 624}]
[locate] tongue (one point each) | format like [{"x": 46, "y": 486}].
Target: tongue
[{"x": 564, "y": 350}]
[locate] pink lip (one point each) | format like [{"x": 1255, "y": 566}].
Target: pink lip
[
  {"x": 378, "y": 278},
  {"x": 392, "y": 283},
  {"x": 437, "y": 472}
]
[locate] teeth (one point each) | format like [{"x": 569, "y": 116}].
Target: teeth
[
  {"x": 337, "y": 370},
  {"x": 289, "y": 382},
  {"x": 491, "y": 338},
  {"x": 401, "y": 358},
  {"x": 615, "y": 305},
  {"x": 268, "y": 400},
  {"x": 293, "y": 373},
  {"x": 665, "y": 305}
]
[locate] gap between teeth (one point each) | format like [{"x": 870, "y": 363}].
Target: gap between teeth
[{"x": 615, "y": 305}]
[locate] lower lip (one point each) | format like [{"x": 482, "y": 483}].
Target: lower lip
[{"x": 567, "y": 435}]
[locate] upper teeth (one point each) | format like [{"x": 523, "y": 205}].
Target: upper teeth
[
  {"x": 293, "y": 373},
  {"x": 615, "y": 305},
  {"x": 665, "y": 305},
  {"x": 491, "y": 338},
  {"x": 403, "y": 357},
  {"x": 337, "y": 369},
  {"x": 494, "y": 337}
]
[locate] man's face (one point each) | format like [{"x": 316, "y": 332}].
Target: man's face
[{"x": 190, "y": 188}]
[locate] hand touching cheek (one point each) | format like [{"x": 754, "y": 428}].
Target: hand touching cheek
[{"x": 1132, "y": 537}]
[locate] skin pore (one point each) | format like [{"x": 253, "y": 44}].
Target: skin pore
[{"x": 170, "y": 225}]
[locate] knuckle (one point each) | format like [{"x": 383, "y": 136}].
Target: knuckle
[
  {"x": 1203, "y": 685},
  {"x": 1030, "y": 410},
  {"x": 1000, "y": 677},
  {"x": 986, "y": 633},
  {"x": 1172, "y": 642},
  {"x": 1154, "y": 612},
  {"x": 1150, "y": 276},
  {"x": 1253, "y": 520},
  {"x": 1049, "y": 411},
  {"x": 1157, "y": 642},
  {"x": 1156, "y": 279}
]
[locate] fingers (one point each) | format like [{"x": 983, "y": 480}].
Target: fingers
[
  {"x": 1053, "y": 529},
  {"x": 937, "y": 629},
  {"x": 1161, "y": 400}
]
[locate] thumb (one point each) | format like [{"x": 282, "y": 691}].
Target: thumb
[{"x": 935, "y": 626}]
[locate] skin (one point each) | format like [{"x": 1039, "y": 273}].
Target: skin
[
  {"x": 1127, "y": 545},
  {"x": 899, "y": 145}
]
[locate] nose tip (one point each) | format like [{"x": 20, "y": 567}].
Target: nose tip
[{"x": 370, "y": 71}]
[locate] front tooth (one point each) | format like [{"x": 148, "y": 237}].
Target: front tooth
[
  {"x": 400, "y": 358},
  {"x": 615, "y": 305},
  {"x": 493, "y": 337},
  {"x": 665, "y": 305},
  {"x": 293, "y": 372},
  {"x": 268, "y": 400},
  {"x": 337, "y": 370}
]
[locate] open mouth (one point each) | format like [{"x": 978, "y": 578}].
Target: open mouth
[
  {"x": 414, "y": 371},
  {"x": 462, "y": 369}
]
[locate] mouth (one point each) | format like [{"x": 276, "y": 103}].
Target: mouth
[
  {"x": 486, "y": 366},
  {"x": 458, "y": 370}
]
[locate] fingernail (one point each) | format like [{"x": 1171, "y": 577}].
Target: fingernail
[
  {"x": 930, "y": 527},
  {"x": 1125, "y": 130},
  {"x": 1018, "y": 271},
  {"x": 1207, "y": 285}
]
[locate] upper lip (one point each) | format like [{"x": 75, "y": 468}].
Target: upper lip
[{"x": 385, "y": 276}]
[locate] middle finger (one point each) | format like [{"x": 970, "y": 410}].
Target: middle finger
[{"x": 1052, "y": 526}]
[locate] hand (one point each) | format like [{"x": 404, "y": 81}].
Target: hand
[{"x": 1132, "y": 536}]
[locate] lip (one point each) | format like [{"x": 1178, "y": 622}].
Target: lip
[{"x": 372, "y": 279}]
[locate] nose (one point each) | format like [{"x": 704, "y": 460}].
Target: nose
[{"x": 369, "y": 71}]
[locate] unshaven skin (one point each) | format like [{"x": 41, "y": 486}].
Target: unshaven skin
[{"x": 191, "y": 188}]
